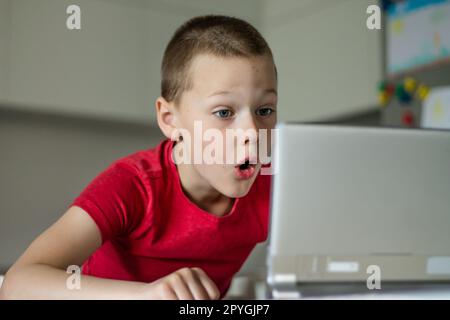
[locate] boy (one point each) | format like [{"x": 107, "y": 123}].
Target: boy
[{"x": 152, "y": 226}]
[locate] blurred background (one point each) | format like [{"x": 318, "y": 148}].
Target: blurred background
[{"x": 73, "y": 101}]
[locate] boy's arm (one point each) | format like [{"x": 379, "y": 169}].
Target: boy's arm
[{"x": 40, "y": 273}]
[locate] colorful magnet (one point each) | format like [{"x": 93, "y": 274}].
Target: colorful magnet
[
  {"x": 404, "y": 91},
  {"x": 408, "y": 118},
  {"x": 390, "y": 89},
  {"x": 383, "y": 98},
  {"x": 385, "y": 92},
  {"x": 403, "y": 96},
  {"x": 422, "y": 92},
  {"x": 399, "y": 89},
  {"x": 409, "y": 84}
]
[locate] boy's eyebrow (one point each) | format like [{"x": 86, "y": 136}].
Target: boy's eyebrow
[
  {"x": 218, "y": 93},
  {"x": 223, "y": 92},
  {"x": 272, "y": 90}
]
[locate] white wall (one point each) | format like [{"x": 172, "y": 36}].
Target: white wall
[
  {"x": 46, "y": 161},
  {"x": 329, "y": 63},
  {"x": 109, "y": 68},
  {"x": 4, "y": 46}
]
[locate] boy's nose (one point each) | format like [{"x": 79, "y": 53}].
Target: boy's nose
[
  {"x": 249, "y": 123},
  {"x": 252, "y": 130}
]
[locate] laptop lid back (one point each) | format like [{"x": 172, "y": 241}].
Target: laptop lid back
[{"x": 349, "y": 200}]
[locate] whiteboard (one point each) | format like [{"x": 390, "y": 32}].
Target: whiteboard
[{"x": 417, "y": 34}]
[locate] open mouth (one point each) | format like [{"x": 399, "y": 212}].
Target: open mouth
[
  {"x": 245, "y": 165},
  {"x": 245, "y": 170}
]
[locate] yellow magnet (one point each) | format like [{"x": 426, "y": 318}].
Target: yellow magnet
[
  {"x": 422, "y": 92},
  {"x": 409, "y": 84}
]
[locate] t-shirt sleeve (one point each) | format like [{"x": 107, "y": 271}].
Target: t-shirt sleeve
[{"x": 116, "y": 200}]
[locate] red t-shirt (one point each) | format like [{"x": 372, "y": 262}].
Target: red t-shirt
[{"x": 150, "y": 228}]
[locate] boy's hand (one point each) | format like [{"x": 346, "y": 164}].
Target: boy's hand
[{"x": 183, "y": 284}]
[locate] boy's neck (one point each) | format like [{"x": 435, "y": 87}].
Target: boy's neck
[{"x": 202, "y": 193}]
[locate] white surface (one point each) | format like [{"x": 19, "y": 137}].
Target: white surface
[
  {"x": 436, "y": 109},
  {"x": 241, "y": 287},
  {"x": 438, "y": 265}
]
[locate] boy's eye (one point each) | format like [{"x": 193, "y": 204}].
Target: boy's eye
[
  {"x": 265, "y": 111},
  {"x": 224, "y": 113}
]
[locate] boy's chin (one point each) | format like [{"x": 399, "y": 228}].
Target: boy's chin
[{"x": 235, "y": 191}]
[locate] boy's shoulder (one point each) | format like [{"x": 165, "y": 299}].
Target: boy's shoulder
[{"x": 151, "y": 162}]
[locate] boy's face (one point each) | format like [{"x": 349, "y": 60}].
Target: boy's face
[{"x": 229, "y": 93}]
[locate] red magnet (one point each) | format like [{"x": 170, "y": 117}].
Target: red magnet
[
  {"x": 390, "y": 89},
  {"x": 408, "y": 118}
]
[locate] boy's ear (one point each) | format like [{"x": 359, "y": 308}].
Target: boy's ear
[{"x": 165, "y": 116}]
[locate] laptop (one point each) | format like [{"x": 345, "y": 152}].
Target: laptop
[{"x": 358, "y": 209}]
